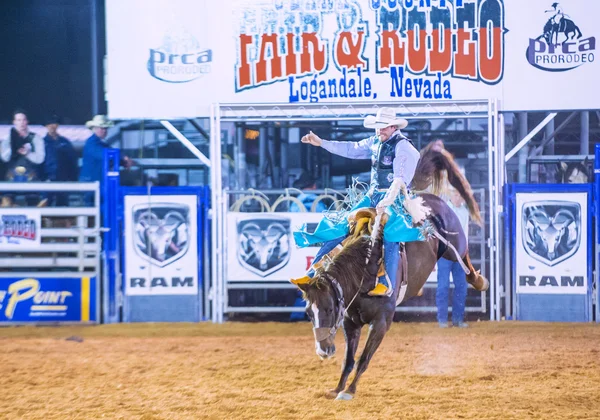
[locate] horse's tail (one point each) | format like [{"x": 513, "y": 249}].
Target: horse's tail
[{"x": 436, "y": 166}]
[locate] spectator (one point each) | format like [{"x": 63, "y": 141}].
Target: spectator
[
  {"x": 459, "y": 278},
  {"x": 306, "y": 182},
  {"x": 60, "y": 164},
  {"x": 23, "y": 152},
  {"x": 93, "y": 151}
]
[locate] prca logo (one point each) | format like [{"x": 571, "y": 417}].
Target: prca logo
[
  {"x": 179, "y": 59},
  {"x": 561, "y": 46}
]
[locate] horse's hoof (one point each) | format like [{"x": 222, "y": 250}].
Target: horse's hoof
[
  {"x": 344, "y": 396},
  {"x": 331, "y": 394}
]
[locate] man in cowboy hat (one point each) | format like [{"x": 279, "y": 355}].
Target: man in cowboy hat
[
  {"x": 93, "y": 150},
  {"x": 394, "y": 161}
]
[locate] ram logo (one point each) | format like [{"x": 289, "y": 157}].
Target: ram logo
[
  {"x": 161, "y": 232},
  {"x": 551, "y": 230},
  {"x": 264, "y": 244}
]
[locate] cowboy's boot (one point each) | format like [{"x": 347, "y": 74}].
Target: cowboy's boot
[{"x": 380, "y": 290}]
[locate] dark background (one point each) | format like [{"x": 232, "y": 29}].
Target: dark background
[{"x": 46, "y": 59}]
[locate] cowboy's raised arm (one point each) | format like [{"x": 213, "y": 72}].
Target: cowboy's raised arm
[{"x": 347, "y": 149}]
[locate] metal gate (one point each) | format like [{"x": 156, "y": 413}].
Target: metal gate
[
  {"x": 155, "y": 251},
  {"x": 321, "y": 112}
]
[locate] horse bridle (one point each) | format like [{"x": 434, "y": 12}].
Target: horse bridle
[{"x": 323, "y": 333}]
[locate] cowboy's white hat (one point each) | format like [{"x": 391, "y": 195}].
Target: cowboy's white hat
[
  {"x": 99, "y": 121},
  {"x": 384, "y": 118}
]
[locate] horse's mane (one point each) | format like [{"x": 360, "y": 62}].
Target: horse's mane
[
  {"x": 349, "y": 266},
  {"x": 438, "y": 168}
]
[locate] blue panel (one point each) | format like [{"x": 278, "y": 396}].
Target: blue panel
[
  {"x": 35, "y": 300},
  {"x": 547, "y": 307},
  {"x": 163, "y": 308},
  {"x": 552, "y": 308},
  {"x": 109, "y": 198},
  {"x": 597, "y": 216}
]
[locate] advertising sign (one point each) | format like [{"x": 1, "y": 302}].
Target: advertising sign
[
  {"x": 42, "y": 299},
  {"x": 169, "y": 59},
  {"x": 161, "y": 249},
  {"x": 552, "y": 243},
  {"x": 19, "y": 229},
  {"x": 261, "y": 246}
]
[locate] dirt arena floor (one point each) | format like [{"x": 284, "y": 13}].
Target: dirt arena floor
[{"x": 239, "y": 370}]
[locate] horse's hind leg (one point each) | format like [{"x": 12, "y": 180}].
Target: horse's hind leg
[
  {"x": 474, "y": 277},
  {"x": 377, "y": 330},
  {"x": 352, "y": 333}
]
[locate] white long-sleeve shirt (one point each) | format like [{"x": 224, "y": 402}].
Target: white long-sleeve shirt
[
  {"x": 36, "y": 155},
  {"x": 405, "y": 162}
]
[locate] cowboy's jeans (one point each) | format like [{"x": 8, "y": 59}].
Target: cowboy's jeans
[
  {"x": 459, "y": 297},
  {"x": 391, "y": 258}
]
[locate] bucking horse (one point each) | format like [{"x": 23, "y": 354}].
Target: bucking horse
[{"x": 337, "y": 294}]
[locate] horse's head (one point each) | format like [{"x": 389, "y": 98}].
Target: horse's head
[
  {"x": 325, "y": 307},
  {"x": 573, "y": 173}
]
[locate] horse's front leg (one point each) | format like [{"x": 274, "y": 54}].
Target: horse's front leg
[
  {"x": 352, "y": 335},
  {"x": 377, "y": 330}
]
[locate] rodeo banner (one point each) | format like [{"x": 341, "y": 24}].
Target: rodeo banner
[
  {"x": 261, "y": 246},
  {"x": 160, "y": 245},
  {"x": 552, "y": 243},
  {"x": 173, "y": 59},
  {"x": 34, "y": 300},
  {"x": 20, "y": 229}
]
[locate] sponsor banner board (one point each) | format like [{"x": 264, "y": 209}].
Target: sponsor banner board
[
  {"x": 161, "y": 245},
  {"x": 20, "y": 229},
  {"x": 552, "y": 243},
  {"x": 34, "y": 300},
  {"x": 261, "y": 247},
  {"x": 173, "y": 58}
]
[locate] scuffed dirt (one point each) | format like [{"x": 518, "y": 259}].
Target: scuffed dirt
[{"x": 491, "y": 370}]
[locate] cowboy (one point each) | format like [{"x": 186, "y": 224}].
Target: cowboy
[
  {"x": 558, "y": 13},
  {"x": 393, "y": 164},
  {"x": 93, "y": 150}
]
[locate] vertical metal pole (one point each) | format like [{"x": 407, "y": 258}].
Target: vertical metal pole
[
  {"x": 549, "y": 131},
  {"x": 262, "y": 156},
  {"x": 284, "y": 137},
  {"x": 240, "y": 157},
  {"x": 491, "y": 244},
  {"x": 95, "y": 72},
  {"x": 500, "y": 176},
  {"x": 584, "y": 148},
  {"x": 496, "y": 210},
  {"x": 524, "y": 152},
  {"x": 274, "y": 178},
  {"x": 214, "y": 199},
  {"x": 220, "y": 221}
]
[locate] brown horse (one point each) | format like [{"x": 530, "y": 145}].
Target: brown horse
[{"x": 337, "y": 295}]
